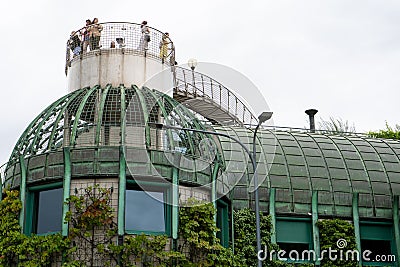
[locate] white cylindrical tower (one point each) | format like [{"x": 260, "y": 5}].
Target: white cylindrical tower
[{"x": 122, "y": 54}]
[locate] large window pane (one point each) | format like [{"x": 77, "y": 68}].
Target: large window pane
[
  {"x": 144, "y": 211},
  {"x": 49, "y": 211}
]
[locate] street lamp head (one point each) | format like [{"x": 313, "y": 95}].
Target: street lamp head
[
  {"x": 192, "y": 63},
  {"x": 266, "y": 115}
]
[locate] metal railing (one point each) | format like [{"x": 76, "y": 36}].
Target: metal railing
[
  {"x": 194, "y": 84},
  {"x": 126, "y": 37}
]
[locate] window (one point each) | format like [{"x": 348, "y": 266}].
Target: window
[
  {"x": 378, "y": 238},
  {"x": 45, "y": 210},
  {"x": 294, "y": 235},
  {"x": 146, "y": 211}
]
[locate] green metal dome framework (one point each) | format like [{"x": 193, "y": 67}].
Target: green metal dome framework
[{"x": 92, "y": 118}]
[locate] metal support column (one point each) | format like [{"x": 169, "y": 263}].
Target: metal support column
[
  {"x": 214, "y": 189},
  {"x": 396, "y": 226},
  {"x": 66, "y": 188},
  {"x": 175, "y": 203},
  {"x": 315, "y": 230},
  {"x": 22, "y": 192},
  {"x": 272, "y": 214},
  {"x": 121, "y": 191},
  {"x": 356, "y": 223}
]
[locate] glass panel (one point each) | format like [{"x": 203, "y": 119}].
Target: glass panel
[
  {"x": 285, "y": 233},
  {"x": 49, "y": 211},
  {"x": 144, "y": 211}
]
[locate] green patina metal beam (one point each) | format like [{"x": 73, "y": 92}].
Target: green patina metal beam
[
  {"x": 175, "y": 203},
  {"x": 22, "y": 192},
  {"x": 356, "y": 223},
  {"x": 381, "y": 161},
  {"x": 278, "y": 142},
  {"x": 367, "y": 175},
  {"x": 145, "y": 114},
  {"x": 177, "y": 110},
  {"x": 121, "y": 191},
  {"x": 164, "y": 112},
  {"x": 123, "y": 116},
  {"x": 44, "y": 120},
  {"x": 272, "y": 213},
  {"x": 122, "y": 167},
  {"x": 232, "y": 222},
  {"x": 214, "y": 189},
  {"x": 78, "y": 115},
  {"x": 71, "y": 97},
  {"x": 99, "y": 116},
  {"x": 315, "y": 230},
  {"x": 326, "y": 166},
  {"x": 66, "y": 188},
  {"x": 340, "y": 152},
  {"x": 396, "y": 225},
  {"x": 303, "y": 156}
]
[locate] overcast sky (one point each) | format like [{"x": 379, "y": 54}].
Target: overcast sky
[{"x": 341, "y": 57}]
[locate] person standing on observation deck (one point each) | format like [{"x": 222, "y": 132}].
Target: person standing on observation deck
[
  {"x": 145, "y": 38},
  {"x": 94, "y": 34}
]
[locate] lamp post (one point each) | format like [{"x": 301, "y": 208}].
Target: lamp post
[
  {"x": 252, "y": 155},
  {"x": 266, "y": 115},
  {"x": 192, "y": 63}
]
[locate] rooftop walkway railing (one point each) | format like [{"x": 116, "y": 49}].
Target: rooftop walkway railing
[
  {"x": 124, "y": 36},
  {"x": 191, "y": 85}
]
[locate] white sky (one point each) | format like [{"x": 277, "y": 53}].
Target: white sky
[{"x": 341, "y": 57}]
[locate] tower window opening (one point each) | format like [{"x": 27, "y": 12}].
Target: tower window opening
[
  {"x": 145, "y": 211},
  {"x": 46, "y": 211}
]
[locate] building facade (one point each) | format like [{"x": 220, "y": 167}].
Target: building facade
[{"x": 106, "y": 131}]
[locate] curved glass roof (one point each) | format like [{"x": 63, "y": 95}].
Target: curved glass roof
[{"x": 297, "y": 163}]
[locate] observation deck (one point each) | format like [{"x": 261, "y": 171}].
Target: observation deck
[{"x": 121, "y": 55}]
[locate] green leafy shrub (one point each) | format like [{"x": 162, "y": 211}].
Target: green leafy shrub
[
  {"x": 19, "y": 249},
  {"x": 199, "y": 243},
  {"x": 388, "y": 133},
  {"x": 330, "y": 231}
]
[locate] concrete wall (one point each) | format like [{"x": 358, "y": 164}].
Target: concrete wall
[{"x": 119, "y": 66}]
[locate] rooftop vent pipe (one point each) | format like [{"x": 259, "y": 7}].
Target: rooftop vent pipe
[{"x": 311, "y": 113}]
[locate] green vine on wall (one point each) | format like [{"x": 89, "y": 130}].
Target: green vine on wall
[
  {"x": 17, "y": 249},
  {"x": 330, "y": 231},
  {"x": 198, "y": 241},
  {"x": 197, "y": 245}
]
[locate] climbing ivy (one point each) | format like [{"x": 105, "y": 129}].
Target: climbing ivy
[
  {"x": 91, "y": 212},
  {"x": 330, "y": 231},
  {"x": 246, "y": 243},
  {"x": 197, "y": 230},
  {"x": 17, "y": 249},
  {"x": 245, "y": 235}
]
